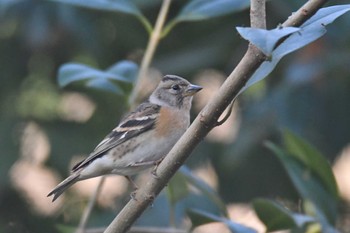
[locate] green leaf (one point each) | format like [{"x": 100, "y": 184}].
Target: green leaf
[
  {"x": 197, "y": 10},
  {"x": 73, "y": 72},
  {"x": 65, "y": 229},
  {"x": 104, "y": 85},
  {"x": 177, "y": 188},
  {"x": 273, "y": 215},
  {"x": 124, "y": 72},
  {"x": 310, "y": 31},
  {"x": 276, "y": 217},
  {"x": 124, "y": 6},
  {"x": 321, "y": 202},
  {"x": 204, "y": 188},
  {"x": 205, "y": 9},
  {"x": 265, "y": 40},
  {"x": 311, "y": 158},
  {"x": 199, "y": 217}
]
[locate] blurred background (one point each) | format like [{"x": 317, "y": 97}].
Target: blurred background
[{"x": 45, "y": 129}]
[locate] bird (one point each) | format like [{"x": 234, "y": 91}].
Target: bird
[{"x": 142, "y": 138}]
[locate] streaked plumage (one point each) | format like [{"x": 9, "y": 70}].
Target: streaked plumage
[{"x": 142, "y": 138}]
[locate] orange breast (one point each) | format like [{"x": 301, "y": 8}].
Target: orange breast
[{"x": 170, "y": 120}]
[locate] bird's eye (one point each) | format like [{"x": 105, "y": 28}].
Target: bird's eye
[{"x": 175, "y": 87}]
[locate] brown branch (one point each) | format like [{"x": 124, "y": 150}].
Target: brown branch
[
  {"x": 258, "y": 14},
  {"x": 308, "y": 10},
  {"x": 206, "y": 120},
  {"x": 304, "y": 13},
  {"x": 142, "y": 230}
]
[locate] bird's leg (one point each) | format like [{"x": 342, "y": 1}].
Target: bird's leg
[
  {"x": 133, "y": 193},
  {"x": 154, "y": 170},
  {"x": 134, "y": 185}
]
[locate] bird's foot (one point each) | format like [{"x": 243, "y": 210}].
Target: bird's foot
[
  {"x": 133, "y": 195},
  {"x": 134, "y": 185},
  {"x": 154, "y": 170}
]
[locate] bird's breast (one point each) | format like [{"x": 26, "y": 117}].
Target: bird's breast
[{"x": 171, "y": 122}]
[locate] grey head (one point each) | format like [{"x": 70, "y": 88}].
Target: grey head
[{"x": 174, "y": 91}]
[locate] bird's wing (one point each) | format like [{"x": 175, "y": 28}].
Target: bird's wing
[{"x": 134, "y": 124}]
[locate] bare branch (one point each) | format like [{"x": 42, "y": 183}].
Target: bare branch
[
  {"x": 142, "y": 230},
  {"x": 304, "y": 13},
  {"x": 257, "y": 14},
  {"x": 206, "y": 120}
]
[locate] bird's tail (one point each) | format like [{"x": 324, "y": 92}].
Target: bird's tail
[{"x": 61, "y": 187}]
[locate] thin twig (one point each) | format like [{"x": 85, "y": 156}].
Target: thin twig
[
  {"x": 308, "y": 10},
  {"x": 150, "y": 50},
  {"x": 303, "y": 13},
  {"x": 228, "y": 114},
  {"x": 199, "y": 129},
  {"x": 88, "y": 209},
  {"x": 142, "y": 230}
]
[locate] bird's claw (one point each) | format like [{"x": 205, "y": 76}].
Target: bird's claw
[
  {"x": 133, "y": 195},
  {"x": 154, "y": 170}
]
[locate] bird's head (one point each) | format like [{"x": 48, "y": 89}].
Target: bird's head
[{"x": 174, "y": 91}]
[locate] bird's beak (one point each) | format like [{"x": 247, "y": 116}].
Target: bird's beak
[{"x": 192, "y": 89}]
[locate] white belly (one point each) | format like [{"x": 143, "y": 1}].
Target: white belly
[{"x": 149, "y": 151}]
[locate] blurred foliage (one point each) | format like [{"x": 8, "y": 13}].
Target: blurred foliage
[
  {"x": 199, "y": 217},
  {"x": 312, "y": 177},
  {"x": 308, "y": 93},
  {"x": 109, "y": 80}
]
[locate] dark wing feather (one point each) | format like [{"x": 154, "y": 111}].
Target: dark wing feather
[{"x": 134, "y": 124}]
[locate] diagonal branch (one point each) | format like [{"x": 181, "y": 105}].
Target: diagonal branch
[{"x": 204, "y": 122}]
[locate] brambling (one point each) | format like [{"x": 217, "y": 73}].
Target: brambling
[{"x": 142, "y": 138}]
